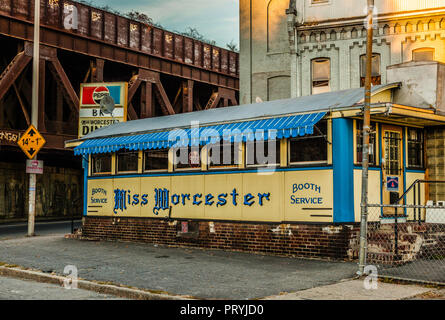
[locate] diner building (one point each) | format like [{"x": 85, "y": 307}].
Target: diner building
[{"x": 281, "y": 177}]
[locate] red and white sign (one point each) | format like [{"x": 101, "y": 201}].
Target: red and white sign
[{"x": 34, "y": 166}]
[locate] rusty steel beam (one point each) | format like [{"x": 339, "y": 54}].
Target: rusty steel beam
[
  {"x": 61, "y": 77},
  {"x": 147, "y": 108},
  {"x": 131, "y": 113},
  {"x": 133, "y": 86},
  {"x": 187, "y": 96},
  {"x": 175, "y": 105},
  {"x": 163, "y": 99},
  {"x": 42, "y": 89},
  {"x": 53, "y": 141},
  {"x": 213, "y": 101},
  {"x": 13, "y": 71},
  {"x": 98, "y": 70},
  {"x": 22, "y": 105},
  {"x": 110, "y": 37}
]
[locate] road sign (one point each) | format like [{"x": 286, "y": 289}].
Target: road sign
[
  {"x": 91, "y": 115},
  {"x": 34, "y": 166},
  {"x": 392, "y": 184},
  {"x": 31, "y": 142}
]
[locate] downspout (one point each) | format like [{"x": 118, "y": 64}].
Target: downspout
[{"x": 291, "y": 13}]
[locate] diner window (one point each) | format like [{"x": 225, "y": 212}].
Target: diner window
[
  {"x": 156, "y": 160},
  {"x": 423, "y": 54},
  {"x": 310, "y": 148},
  {"x": 188, "y": 158},
  {"x": 263, "y": 153},
  {"x": 321, "y": 74},
  {"x": 415, "y": 148},
  {"x": 127, "y": 161},
  {"x": 376, "y": 77},
  {"x": 372, "y": 143},
  {"x": 223, "y": 155},
  {"x": 101, "y": 164}
]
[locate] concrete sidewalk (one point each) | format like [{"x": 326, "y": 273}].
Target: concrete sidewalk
[
  {"x": 192, "y": 272},
  {"x": 203, "y": 274},
  {"x": 355, "y": 290},
  {"x": 16, "y": 289}
]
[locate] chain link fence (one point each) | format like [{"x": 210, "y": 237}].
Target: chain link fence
[{"x": 407, "y": 241}]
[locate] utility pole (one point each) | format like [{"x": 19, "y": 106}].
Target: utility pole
[
  {"x": 34, "y": 117},
  {"x": 366, "y": 131}
]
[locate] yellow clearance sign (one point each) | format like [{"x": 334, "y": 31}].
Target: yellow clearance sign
[
  {"x": 91, "y": 117},
  {"x": 31, "y": 142}
]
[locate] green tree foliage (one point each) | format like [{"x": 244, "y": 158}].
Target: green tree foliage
[{"x": 232, "y": 46}]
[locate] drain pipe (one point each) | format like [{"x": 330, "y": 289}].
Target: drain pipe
[{"x": 291, "y": 13}]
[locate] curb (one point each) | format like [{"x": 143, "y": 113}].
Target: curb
[{"x": 110, "y": 289}]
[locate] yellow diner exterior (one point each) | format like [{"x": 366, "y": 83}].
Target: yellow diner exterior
[{"x": 321, "y": 191}]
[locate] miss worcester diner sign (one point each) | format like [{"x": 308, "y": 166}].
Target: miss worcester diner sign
[{"x": 218, "y": 197}]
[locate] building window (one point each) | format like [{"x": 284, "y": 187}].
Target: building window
[
  {"x": 188, "y": 158},
  {"x": 311, "y": 148},
  {"x": 156, "y": 160},
  {"x": 372, "y": 143},
  {"x": 423, "y": 54},
  {"x": 376, "y": 77},
  {"x": 415, "y": 148},
  {"x": 321, "y": 74},
  {"x": 263, "y": 153},
  {"x": 319, "y": 1},
  {"x": 127, "y": 161},
  {"x": 222, "y": 155},
  {"x": 101, "y": 164}
]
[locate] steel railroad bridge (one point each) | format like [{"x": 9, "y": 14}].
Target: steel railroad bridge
[{"x": 167, "y": 74}]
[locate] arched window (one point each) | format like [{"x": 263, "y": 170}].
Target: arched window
[
  {"x": 321, "y": 75},
  {"x": 423, "y": 54},
  {"x": 376, "y": 77}
]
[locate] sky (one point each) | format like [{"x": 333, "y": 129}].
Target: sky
[{"x": 215, "y": 19}]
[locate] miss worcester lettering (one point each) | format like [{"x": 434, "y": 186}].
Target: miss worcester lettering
[{"x": 163, "y": 198}]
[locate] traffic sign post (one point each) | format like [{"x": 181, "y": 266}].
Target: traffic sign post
[
  {"x": 31, "y": 142},
  {"x": 34, "y": 119}
]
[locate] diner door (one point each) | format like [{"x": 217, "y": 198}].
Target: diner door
[{"x": 392, "y": 164}]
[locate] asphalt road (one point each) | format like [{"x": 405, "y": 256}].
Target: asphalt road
[{"x": 18, "y": 230}]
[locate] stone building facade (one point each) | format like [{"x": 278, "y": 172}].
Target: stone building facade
[{"x": 292, "y": 48}]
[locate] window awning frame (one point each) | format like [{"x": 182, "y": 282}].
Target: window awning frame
[{"x": 276, "y": 128}]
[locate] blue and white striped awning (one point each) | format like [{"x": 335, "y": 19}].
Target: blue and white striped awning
[{"x": 264, "y": 129}]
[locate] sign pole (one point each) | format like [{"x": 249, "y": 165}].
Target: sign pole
[{"x": 34, "y": 118}]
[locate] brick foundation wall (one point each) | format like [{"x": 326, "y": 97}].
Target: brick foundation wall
[{"x": 298, "y": 240}]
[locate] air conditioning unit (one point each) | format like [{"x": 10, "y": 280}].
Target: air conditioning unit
[{"x": 435, "y": 215}]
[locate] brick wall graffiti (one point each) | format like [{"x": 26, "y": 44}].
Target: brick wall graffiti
[
  {"x": 57, "y": 192},
  {"x": 7, "y": 137}
]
